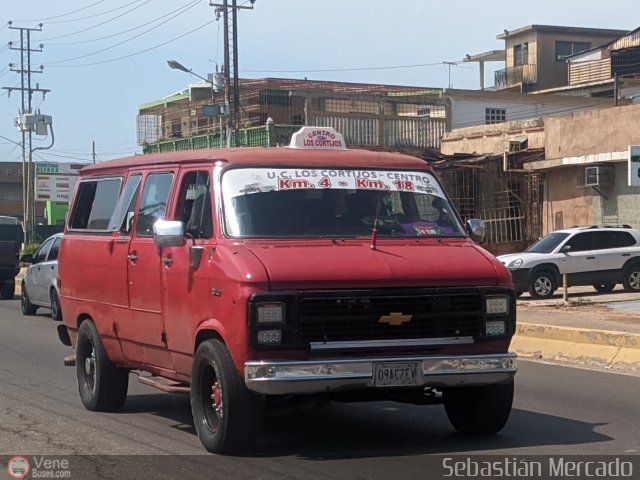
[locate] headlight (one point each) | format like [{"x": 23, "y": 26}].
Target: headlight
[
  {"x": 517, "y": 263},
  {"x": 270, "y": 313},
  {"x": 497, "y": 305}
]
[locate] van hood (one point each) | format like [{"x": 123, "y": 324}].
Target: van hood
[{"x": 313, "y": 264}]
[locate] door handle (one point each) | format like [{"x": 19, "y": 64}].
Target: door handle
[
  {"x": 167, "y": 261},
  {"x": 626, "y": 254},
  {"x": 591, "y": 258},
  {"x": 132, "y": 257}
]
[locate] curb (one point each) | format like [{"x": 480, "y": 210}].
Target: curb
[{"x": 602, "y": 349}]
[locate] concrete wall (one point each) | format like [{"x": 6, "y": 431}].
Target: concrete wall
[
  {"x": 566, "y": 202},
  {"x": 593, "y": 132},
  {"x": 490, "y": 139}
]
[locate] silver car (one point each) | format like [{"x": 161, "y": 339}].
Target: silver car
[{"x": 40, "y": 285}]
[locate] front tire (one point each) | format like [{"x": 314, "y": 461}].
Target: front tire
[
  {"x": 479, "y": 410},
  {"x": 225, "y": 412},
  {"x": 604, "y": 287},
  {"x": 26, "y": 306},
  {"x": 102, "y": 385},
  {"x": 56, "y": 311},
  {"x": 542, "y": 285},
  {"x": 631, "y": 280}
]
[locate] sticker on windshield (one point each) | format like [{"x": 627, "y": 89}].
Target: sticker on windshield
[{"x": 248, "y": 181}]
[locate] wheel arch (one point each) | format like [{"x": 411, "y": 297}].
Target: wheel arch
[{"x": 551, "y": 267}]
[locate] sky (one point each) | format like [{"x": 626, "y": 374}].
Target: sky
[{"x": 104, "y": 58}]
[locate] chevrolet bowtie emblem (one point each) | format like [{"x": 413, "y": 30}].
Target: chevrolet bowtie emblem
[{"x": 395, "y": 318}]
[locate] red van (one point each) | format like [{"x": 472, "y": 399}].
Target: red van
[{"x": 254, "y": 277}]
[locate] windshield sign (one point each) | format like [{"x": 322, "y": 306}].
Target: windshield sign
[{"x": 282, "y": 202}]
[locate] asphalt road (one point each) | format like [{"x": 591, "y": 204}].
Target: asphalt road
[{"x": 558, "y": 411}]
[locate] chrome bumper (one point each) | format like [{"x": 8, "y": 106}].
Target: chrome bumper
[{"x": 282, "y": 377}]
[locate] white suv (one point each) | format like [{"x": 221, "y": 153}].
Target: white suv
[{"x": 601, "y": 256}]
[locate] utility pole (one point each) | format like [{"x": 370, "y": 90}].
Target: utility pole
[
  {"x": 28, "y": 174},
  {"x": 93, "y": 151},
  {"x": 231, "y": 82},
  {"x": 449, "y": 64}
]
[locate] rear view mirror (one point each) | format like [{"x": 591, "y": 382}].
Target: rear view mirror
[
  {"x": 169, "y": 233},
  {"x": 565, "y": 249},
  {"x": 476, "y": 229},
  {"x": 28, "y": 258}
]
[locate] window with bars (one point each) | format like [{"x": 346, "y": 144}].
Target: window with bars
[{"x": 495, "y": 115}]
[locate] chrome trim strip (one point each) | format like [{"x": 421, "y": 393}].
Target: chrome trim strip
[
  {"x": 281, "y": 377},
  {"x": 421, "y": 342}
]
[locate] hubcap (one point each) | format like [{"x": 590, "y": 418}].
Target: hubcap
[
  {"x": 216, "y": 398},
  {"x": 211, "y": 392},
  {"x": 634, "y": 280},
  {"x": 543, "y": 286}
]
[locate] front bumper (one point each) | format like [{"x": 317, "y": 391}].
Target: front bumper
[{"x": 282, "y": 377}]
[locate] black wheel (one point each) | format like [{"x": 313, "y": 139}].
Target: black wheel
[
  {"x": 479, "y": 410},
  {"x": 102, "y": 385},
  {"x": 56, "y": 312},
  {"x": 225, "y": 412},
  {"x": 631, "y": 279},
  {"x": 604, "y": 287},
  {"x": 543, "y": 284},
  {"x": 25, "y": 304},
  {"x": 7, "y": 290}
]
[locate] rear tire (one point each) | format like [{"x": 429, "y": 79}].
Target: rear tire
[
  {"x": 25, "y": 304},
  {"x": 56, "y": 312},
  {"x": 225, "y": 413},
  {"x": 479, "y": 410},
  {"x": 8, "y": 290},
  {"x": 631, "y": 279},
  {"x": 542, "y": 285},
  {"x": 102, "y": 386},
  {"x": 604, "y": 287}
]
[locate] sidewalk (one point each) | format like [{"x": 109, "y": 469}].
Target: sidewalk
[{"x": 591, "y": 329}]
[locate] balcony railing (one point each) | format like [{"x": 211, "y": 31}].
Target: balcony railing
[{"x": 520, "y": 74}]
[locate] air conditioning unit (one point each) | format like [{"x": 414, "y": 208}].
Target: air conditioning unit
[{"x": 598, "y": 176}]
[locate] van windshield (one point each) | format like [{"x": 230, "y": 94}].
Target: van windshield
[{"x": 290, "y": 202}]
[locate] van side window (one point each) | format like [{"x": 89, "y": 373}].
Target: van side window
[
  {"x": 94, "y": 204},
  {"x": 123, "y": 215},
  {"x": 194, "y": 208},
  {"x": 154, "y": 202}
]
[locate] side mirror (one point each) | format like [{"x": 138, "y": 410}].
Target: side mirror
[
  {"x": 28, "y": 258},
  {"x": 565, "y": 249},
  {"x": 476, "y": 229},
  {"x": 169, "y": 233}
]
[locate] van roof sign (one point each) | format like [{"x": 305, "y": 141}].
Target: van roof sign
[{"x": 317, "y": 138}]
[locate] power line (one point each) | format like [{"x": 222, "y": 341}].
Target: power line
[
  {"x": 346, "y": 69},
  {"x": 137, "y": 53},
  {"x": 193, "y": 4},
  {"x": 98, "y": 24},
  {"x": 125, "y": 31},
  {"x": 97, "y": 14},
  {"x": 61, "y": 15}
]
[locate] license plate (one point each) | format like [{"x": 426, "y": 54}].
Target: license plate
[{"x": 395, "y": 374}]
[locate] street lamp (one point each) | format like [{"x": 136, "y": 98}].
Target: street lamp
[{"x": 175, "y": 65}]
